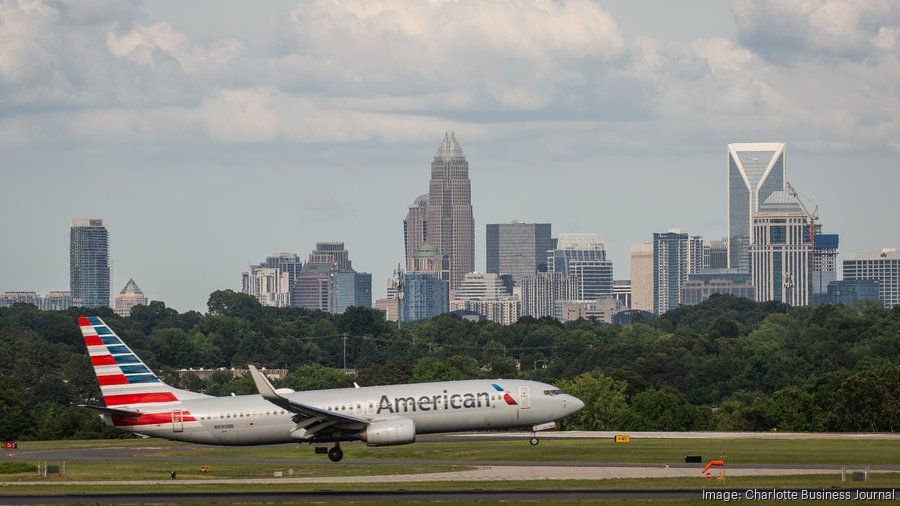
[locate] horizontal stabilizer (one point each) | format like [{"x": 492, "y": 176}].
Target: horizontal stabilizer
[{"x": 123, "y": 413}]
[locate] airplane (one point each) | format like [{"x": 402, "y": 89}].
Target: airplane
[{"x": 136, "y": 400}]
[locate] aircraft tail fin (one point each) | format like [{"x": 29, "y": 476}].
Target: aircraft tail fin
[{"x": 125, "y": 381}]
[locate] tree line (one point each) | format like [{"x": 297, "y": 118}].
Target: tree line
[{"x": 726, "y": 364}]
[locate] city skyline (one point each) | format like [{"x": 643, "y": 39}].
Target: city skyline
[{"x": 208, "y": 145}]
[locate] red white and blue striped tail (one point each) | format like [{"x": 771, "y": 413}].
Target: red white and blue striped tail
[{"x": 125, "y": 381}]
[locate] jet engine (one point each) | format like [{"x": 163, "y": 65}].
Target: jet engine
[{"x": 395, "y": 431}]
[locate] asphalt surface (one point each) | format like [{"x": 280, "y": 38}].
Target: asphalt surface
[{"x": 483, "y": 471}]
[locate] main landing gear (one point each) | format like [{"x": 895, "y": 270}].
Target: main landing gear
[{"x": 335, "y": 454}]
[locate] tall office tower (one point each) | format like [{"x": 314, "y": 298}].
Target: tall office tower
[
  {"x": 642, "y": 277},
  {"x": 7, "y": 299},
  {"x": 414, "y": 227},
  {"x": 351, "y": 289},
  {"x": 541, "y": 292},
  {"x": 883, "y": 267},
  {"x": 486, "y": 294},
  {"x": 57, "y": 300},
  {"x": 781, "y": 251},
  {"x": 129, "y": 297},
  {"x": 89, "y": 263},
  {"x": 825, "y": 254},
  {"x": 516, "y": 248},
  {"x": 675, "y": 255},
  {"x": 285, "y": 262},
  {"x": 755, "y": 171},
  {"x": 450, "y": 225},
  {"x": 718, "y": 255},
  {"x": 270, "y": 285},
  {"x": 423, "y": 295},
  {"x": 622, "y": 292},
  {"x": 331, "y": 253},
  {"x": 583, "y": 256},
  {"x": 313, "y": 288}
]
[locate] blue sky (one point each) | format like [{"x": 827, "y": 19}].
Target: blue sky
[{"x": 214, "y": 134}]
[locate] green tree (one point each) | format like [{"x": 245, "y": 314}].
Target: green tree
[
  {"x": 605, "y": 405},
  {"x": 317, "y": 377}
]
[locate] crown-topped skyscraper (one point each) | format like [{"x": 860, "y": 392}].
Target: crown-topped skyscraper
[{"x": 451, "y": 226}]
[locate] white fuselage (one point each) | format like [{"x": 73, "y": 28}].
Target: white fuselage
[{"x": 449, "y": 406}]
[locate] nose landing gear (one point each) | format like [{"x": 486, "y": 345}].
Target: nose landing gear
[{"x": 534, "y": 440}]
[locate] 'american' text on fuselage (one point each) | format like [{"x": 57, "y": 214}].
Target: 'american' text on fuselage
[{"x": 428, "y": 403}]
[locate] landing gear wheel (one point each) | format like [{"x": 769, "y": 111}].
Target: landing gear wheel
[
  {"x": 335, "y": 454},
  {"x": 534, "y": 441}
]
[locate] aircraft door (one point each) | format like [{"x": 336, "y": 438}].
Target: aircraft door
[
  {"x": 372, "y": 407},
  {"x": 177, "y": 421},
  {"x": 524, "y": 397}
]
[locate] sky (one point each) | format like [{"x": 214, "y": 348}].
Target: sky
[{"x": 214, "y": 133}]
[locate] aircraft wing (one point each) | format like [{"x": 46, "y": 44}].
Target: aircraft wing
[{"x": 303, "y": 411}]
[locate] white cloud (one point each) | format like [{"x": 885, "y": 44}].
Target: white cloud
[
  {"x": 793, "y": 30},
  {"x": 147, "y": 45}
]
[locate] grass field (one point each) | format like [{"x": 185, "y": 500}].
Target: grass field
[{"x": 854, "y": 453}]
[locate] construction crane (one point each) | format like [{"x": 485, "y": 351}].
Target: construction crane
[{"x": 812, "y": 217}]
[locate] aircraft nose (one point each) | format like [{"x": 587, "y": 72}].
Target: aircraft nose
[{"x": 574, "y": 404}]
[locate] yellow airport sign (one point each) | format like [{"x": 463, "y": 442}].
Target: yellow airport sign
[{"x": 623, "y": 439}]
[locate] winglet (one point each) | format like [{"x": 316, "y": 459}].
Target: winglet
[{"x": 263, "y": 386}]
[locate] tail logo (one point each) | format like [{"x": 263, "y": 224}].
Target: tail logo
[{"x": 506, "y": 397}]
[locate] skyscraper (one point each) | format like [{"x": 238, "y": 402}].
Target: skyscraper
[
  {"x": 518, "y": 249},
  {"x": 89, "y": 263},
  {"x": 269, "y": 285},
  {"x": 675, "y": 255},
  {"x": 583, "y": 256},
  {"x": 450, "y": 225},
  {"x": 781, "y": 251},
  {"x": 825, "y": 264},
  {"x": 486, "y": 294},
  {"x": 755, "y": 171},
  {"x": 129, "y": 297},
  {"x": 541, "y": 292},
  {"x": 272, "y": 281},
  {"x": 328, "y": 282},
  {"x": 414, "y": 227},
  {"x": 286, "y": 262},
  {"x": 424, "y": 295},
  {"x": 331, "y": 253},
  {"x": 642, "y": 277},
  {"x": 351, "y": 289}
]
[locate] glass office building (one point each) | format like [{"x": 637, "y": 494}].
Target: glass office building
[
  {"x": 518, "y": 249},
  {"x": 89, "y": 263},
  {"x": 423, "y": 295},
  {"x": 755, "y": 171},
  {"x": 351, "y": 289}
]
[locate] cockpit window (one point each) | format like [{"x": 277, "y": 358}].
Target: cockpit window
[{"x": 552, "y": 393}]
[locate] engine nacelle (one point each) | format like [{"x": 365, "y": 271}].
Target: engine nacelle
[{"x": 395, "y": 431}]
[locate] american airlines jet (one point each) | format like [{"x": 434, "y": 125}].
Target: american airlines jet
[{"x": 137, "y": 401}]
